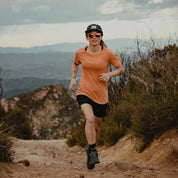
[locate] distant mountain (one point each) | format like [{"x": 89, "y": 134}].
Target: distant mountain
[
  {"x": 114, "y": 45},
  {"x": 63, "y": 47},
  {"x": 55, "y": 65},
  {"x": 13, "y": 87},
  {"x": 25, "y": 72}
]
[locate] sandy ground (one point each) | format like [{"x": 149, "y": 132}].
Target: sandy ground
[{"x": 54, "y": 158}]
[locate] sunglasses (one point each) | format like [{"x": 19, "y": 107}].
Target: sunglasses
[{"x": 91, "y": 35}]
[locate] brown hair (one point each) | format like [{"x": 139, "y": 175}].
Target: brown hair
[{"x": 102, "y": 43}]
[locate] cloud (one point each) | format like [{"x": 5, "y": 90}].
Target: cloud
[
  {"x": 59, "y": 11},
  {"x": 17, "y": 5},
  {"x": 114, "y": 6},
  {"x": 155, "y": 1},
  {"x": 47, "y": 11},
  {"x": 41, "y": 8},
  {"x": 40, "y": 34},
  {"x": 165, "y": 15},
  {"x": 22, "y": 1},
  {"x": 16, "y": 8},
  {"x": 111, "y": 7},
  {"x": 27, "y": 20},
  {"x": 47, "y": 34}
]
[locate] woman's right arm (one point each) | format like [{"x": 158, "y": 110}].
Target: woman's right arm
[{"x": 73, "y": 76}]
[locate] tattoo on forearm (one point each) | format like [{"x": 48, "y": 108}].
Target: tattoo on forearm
[{"x": 74, "y": 70}]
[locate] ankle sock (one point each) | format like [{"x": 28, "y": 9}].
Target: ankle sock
[{"x": 92, "y": 147}]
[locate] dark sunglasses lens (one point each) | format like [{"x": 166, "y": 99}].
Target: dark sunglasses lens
[{"x": 90, "y": 35}]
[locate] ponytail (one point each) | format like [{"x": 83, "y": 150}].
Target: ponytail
[{"x": 102, "y": 43}]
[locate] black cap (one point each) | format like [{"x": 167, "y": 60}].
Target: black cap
[{"x": 94, "y": 27}]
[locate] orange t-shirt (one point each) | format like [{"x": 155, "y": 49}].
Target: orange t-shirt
[{"x": 92, "y": 65}]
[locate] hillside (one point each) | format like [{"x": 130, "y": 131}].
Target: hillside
[
  {"x": 55, "y": 159},
  {"x": 50, "y": 109}
]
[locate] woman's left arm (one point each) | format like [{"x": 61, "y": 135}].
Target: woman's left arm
[{"x": 106, "y": 76}]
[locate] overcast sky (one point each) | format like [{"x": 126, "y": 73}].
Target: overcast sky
[{"x": 28, "y": 23}]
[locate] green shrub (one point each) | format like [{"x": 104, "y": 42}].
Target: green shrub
[
  {"x": 2, "y": 113},
  {"x": 19, "y": 124},
  {"x": 110, "y": 134},
  {"x": 152, "y": 93},
  {"x": 113, "y": 127},
  {"x": 77, "y": 135},
  {"x": 5, "y": 145}
]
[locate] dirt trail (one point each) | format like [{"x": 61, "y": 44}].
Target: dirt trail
[{"x": 54, "y": 158}]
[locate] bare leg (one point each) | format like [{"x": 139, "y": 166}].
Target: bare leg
[
  {"x": 98, "y": 121},
  {"x": 90, "y": 128}
]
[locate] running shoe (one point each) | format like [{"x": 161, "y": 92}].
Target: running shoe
[
  {"x": 89, "y": 165},
  {"x": 94, "y": 157}
]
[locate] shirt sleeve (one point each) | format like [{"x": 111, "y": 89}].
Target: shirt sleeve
[
  {"x": 115, "y": 60},
  {"x": 76, "y": 60}
]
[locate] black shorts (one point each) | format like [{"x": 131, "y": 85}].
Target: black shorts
[{"x": 99, "y": 110}]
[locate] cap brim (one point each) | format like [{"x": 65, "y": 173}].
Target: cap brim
[{"x": 92, "y": 30}]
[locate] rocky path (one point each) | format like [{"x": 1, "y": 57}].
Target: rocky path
[{"x": 53, "y": 159}]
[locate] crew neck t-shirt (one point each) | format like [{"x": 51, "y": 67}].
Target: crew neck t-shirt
[{"x": 92, "y": 65}]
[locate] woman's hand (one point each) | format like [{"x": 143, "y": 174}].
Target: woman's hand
[
  {"x": 72, "y": 83},
  {"x": 104, "y": 77}
]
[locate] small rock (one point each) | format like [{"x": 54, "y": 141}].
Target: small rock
[{"x": 24, "y": 162}]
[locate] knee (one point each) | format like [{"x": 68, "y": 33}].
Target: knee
[{"x": 90, "y": 120}]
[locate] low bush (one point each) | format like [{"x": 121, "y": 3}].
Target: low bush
[
  {"x": 152, "y": 93},
  {"x": 114, "y": 125},
  {"x": 19, "y": 124},
  {"x": 77, "y": 135},
  {"x": 5, "y": 145}
]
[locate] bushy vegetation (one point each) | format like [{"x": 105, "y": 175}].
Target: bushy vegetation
[
  {"x": 152, "y": 94},
  {"x": 17, "y": 121},
  {"x": 113, "y": 128},
  {"x": 13, "y": 124},
  {"x": 77, "y": 135},
  {"x": 144, "y": 99},
  {"x": 5, "y": 141},
  {"x": 5, "y": 144}
]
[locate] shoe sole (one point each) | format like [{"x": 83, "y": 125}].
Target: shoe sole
[{"x": 89, "y": 166}]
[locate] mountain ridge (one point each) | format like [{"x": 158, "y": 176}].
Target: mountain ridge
[{"x": 113, "y": 44}]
